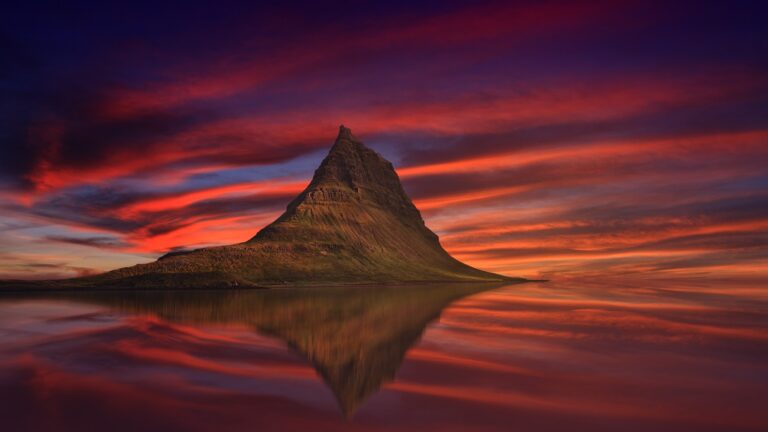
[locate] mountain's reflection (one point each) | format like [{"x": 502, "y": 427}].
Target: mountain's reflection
[{"x": 355, "y": 337}]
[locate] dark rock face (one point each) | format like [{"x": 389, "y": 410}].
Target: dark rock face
[
  {"x": 355, "y": 200},
  {"x": 351, "y": 175},
  {"x": 353, "y": 223}
]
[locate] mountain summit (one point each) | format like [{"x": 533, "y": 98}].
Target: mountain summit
[
  {"x": 353, "y": 223},
  {"x": 355, "y": 200}
]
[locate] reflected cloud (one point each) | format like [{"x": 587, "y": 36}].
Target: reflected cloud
[
  {"x": 601, "y": 355},
  {"x": 354, "y": 337}
]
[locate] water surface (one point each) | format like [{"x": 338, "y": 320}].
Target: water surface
[{"x": 597, "y": 356}]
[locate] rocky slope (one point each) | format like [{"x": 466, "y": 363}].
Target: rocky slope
[{"x": 354, "y": 223}]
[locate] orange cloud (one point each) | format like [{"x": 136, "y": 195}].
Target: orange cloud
[
  {"x": 671, "y": 147},
  {"x": 271, "y": 186}
]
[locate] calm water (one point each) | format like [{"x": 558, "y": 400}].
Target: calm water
[{"x": 609, "y": 356}]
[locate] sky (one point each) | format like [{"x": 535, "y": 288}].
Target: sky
[{"x": 539, "y": 138}]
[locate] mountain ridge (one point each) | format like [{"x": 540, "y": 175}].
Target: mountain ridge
[{"x": 352, "y": 224}]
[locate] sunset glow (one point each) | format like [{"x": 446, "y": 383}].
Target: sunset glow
[{"x": 530, "y": 139}]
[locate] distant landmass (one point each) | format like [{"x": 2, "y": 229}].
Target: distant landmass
[{"x": 353, "y": 224}]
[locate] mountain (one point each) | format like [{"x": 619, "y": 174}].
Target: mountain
[{"x": 354, "y": 223}]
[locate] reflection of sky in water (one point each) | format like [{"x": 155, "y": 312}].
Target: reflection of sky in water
[{"x": 555, "y": 356}]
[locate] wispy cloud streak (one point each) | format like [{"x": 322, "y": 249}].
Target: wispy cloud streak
[{"x": 542, "y": 140}]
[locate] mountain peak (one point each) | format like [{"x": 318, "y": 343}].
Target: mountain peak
[
  {"x": 345, "y": 133},
  {"x": 347, "y": 143},
  {"x": 355, "y": 171},
  {"x": 354, "y": 175}
]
